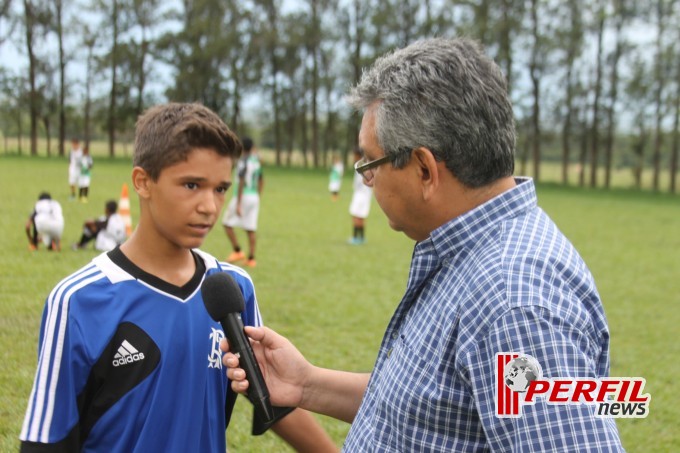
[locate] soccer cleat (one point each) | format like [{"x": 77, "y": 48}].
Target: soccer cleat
[
  {"x": 251, "y": 262},
  {"x": 32, "y": 247},
  {"x": 356, "y": 241},
  {"x": 236, "y": 256}
]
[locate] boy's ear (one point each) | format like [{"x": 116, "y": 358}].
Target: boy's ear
[{"x": 141, "y": 181}]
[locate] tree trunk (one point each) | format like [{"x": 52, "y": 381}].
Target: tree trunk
[
  {"x": 574, "y": 37},
  {"x": 658, "y": 95},
  {"x": 48, "y": 134},
  {"x": 595, "y": 130},
  {"x": 353, "y": 126},
  {"x": 536, "y": 90},
  {"x": 304, "y": 142},
  {"x": 236, "y": 99},
  {"x": 505, "y": 44},
  {"x": 639, "y": 151},
  {"x": 272, "y": 42},
  {"x": 114, "y": 82},
  {"x": 141, "y": 83},
  {"x": 315, "y": 112},
  {"x": 314, "y": 51},
  {"x": 290, "y": 122},
  {"x": 611, "y": 111},
  {"x": 62, "y": 78},
  {"x": 676, "y": 144},
  {"x": 277, "y": 110},
  {"x": 88, "y": 87},
  {"x": 33, "y": 95},
  {"x": 583, "y": 155},
  {"x": 676, "y": 133},
  {"x": 566, "y": 131},
  {"x": 482, "y": 21},
  {"x": 20, "y": 129}
]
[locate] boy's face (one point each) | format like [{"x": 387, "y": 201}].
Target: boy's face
[{"x": 186, "y": 200}]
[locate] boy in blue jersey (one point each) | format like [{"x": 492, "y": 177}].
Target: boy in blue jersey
[{"x": 129, "y": 358}]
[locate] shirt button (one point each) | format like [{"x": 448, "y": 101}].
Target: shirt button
[{"x": 389, "y": 353}]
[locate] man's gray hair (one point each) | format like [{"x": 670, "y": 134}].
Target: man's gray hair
[{"x": 447, "y": 96}]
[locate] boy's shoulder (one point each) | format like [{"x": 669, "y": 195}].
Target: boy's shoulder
[
  {"x": 214, "y": 265},
  {"x": 82, "y": 284}
]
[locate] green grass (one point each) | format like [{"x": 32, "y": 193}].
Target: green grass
[{"x": 334, "y": 301}]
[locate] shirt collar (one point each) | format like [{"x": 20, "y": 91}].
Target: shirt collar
[{"x": 459, "y": 232}]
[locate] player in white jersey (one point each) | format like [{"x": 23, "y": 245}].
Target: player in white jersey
[
  {"x": 85, "y": 177},
  {"x": 108, "y": 231},
  {"x": 335, "y": 178},
  {"x": 46, "y": 222},
  {"x": 360, "y": 206},
  {"x": 74, "y": 166},
  {"x": 129, "y": 357}
]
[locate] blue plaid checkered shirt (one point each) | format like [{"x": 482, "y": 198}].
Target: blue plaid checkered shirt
[{"x": 500, "y": 278}]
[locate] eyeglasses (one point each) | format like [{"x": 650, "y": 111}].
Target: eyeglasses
[{"x": 367, "y": 169}]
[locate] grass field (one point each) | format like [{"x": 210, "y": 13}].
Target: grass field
[{"x": 334, "y": 300}]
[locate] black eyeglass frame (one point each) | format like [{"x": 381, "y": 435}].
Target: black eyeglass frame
[{"x": 360, "y": 167}]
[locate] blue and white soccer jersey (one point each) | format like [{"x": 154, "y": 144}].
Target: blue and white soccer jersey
[{"x": 128, "y": 362}]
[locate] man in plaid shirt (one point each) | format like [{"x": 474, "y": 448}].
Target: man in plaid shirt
[{"x": 490, "y": 274}]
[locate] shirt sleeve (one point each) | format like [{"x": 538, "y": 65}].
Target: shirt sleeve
[
  {"x": 251, "y": 314},
  {"x": 52, "y": 415},
  {"x": 563, "y": 351}
]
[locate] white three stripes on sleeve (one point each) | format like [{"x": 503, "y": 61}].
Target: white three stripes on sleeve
[{"x": 41, "y": 403}]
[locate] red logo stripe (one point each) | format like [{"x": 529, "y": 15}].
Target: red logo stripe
[{"x": 507, "y": 401}]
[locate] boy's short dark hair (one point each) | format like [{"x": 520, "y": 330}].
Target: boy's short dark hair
[
  {"x": 247, "y": 144},
  {"x": 165, "y": 135},
  {"x": 111, "y": 206}
]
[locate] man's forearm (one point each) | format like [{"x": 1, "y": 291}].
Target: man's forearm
[
  {"x": 302, "y": 432},
  {"x": 335, "y": 393}
]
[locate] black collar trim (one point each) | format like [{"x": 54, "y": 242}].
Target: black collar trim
[{"x": 183, "y": 292}]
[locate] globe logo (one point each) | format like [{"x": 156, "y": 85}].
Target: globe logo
[{"x": 520, "y": 372}]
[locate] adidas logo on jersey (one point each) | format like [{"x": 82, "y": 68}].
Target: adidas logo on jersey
[{"x": 127, "y": 354}]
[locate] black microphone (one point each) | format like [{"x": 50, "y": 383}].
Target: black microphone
[{"x": 224, "y": 302}]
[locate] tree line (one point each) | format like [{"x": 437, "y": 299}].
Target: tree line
[{"x": 596, "y": 84}]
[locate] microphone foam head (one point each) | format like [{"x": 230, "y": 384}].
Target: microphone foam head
[{"x": 221, "y": 295}]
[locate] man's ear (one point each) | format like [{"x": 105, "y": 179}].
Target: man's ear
[
  {"x": 141, "y": 181},
  {"x": 428, "y": 170}
]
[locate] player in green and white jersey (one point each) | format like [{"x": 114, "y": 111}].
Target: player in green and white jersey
[{"x": 244, "y": 208}]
